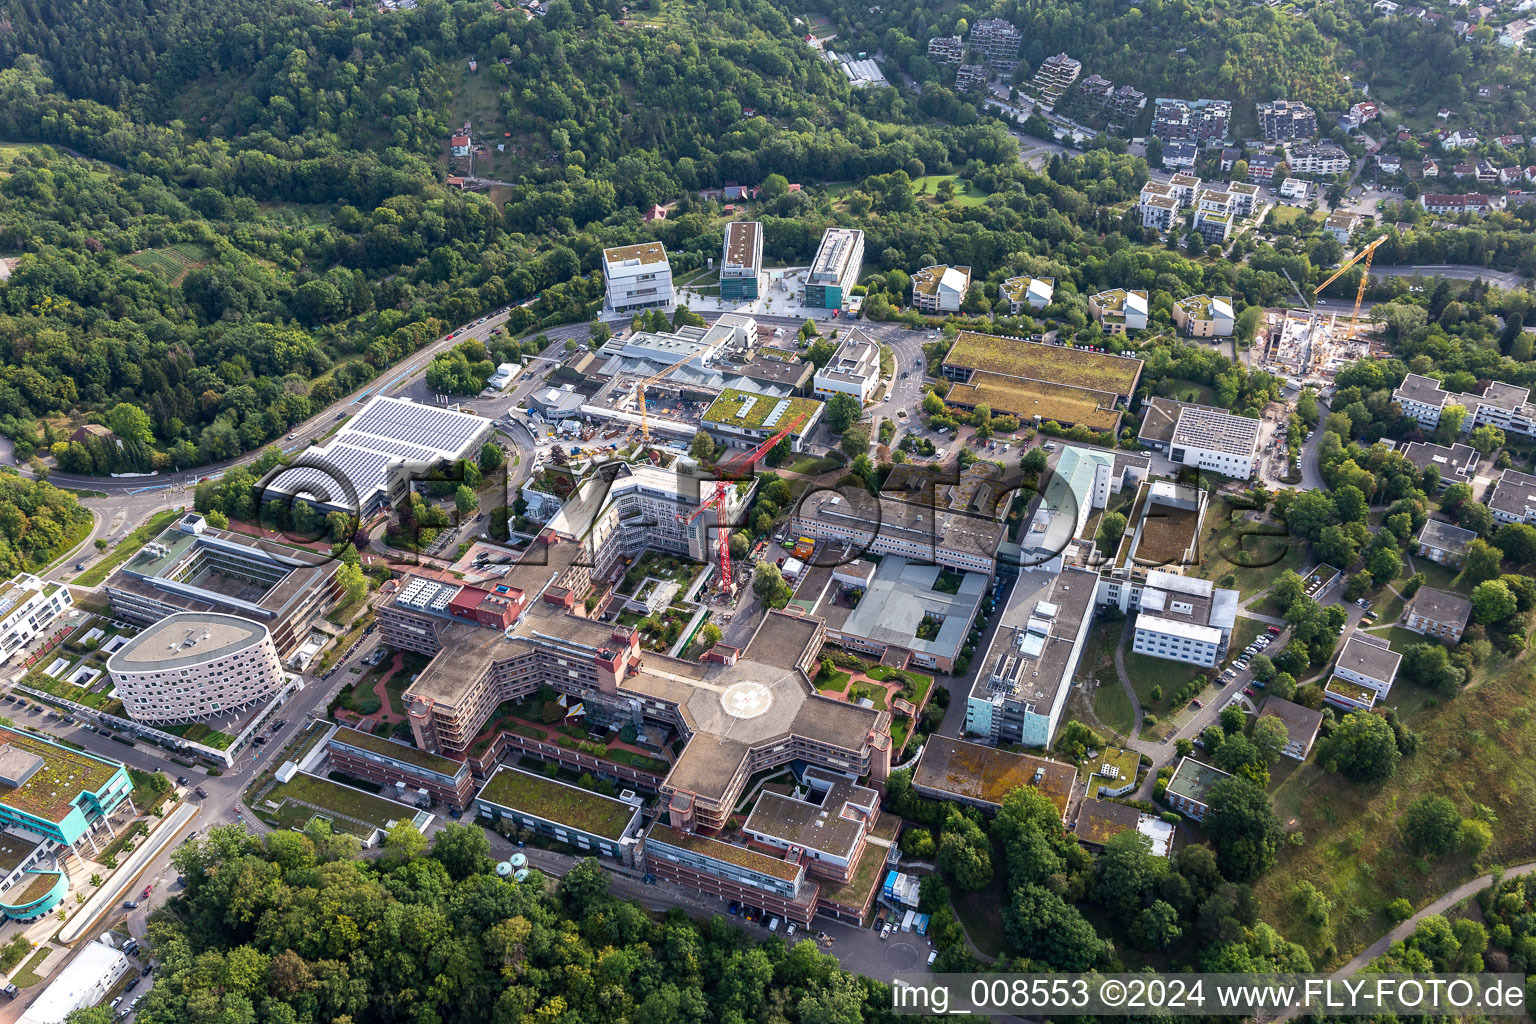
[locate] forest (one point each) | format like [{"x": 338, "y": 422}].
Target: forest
[{"x": 297, "y": 929}]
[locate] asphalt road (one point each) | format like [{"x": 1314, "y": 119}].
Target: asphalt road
[{"x": 1454, "y": 272}]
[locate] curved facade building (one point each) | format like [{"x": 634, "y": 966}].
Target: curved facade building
[
  {"x": 35, "y": 894},
  {"x": 195, "y": 666}
]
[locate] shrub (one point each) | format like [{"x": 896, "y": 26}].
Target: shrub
[{"x": 1399, "y": 910}]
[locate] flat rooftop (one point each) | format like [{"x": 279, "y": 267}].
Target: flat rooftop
[
  {"x": 1218, "y": 431},
  {"x": 558, "y": 802},
  {"x": 184, "y": 639},
  {"x": 902, "y": 595},
  {"x": 746, "y": 410},
  {"x": 922, "y": 524},
  {"x": 58, "y": 781},
  {"x": 1027, "y": 660},
  {"x": 986, "y": 775},
  {"x": 406, "y": 754},
  {"x": 829, "y": 821},
  {"x": 1193, "y": 780},
  {"x": 1369, "y": 656},
  {"x": 1027, "y": 399},
  {"x": 1055, "y": 364},
  {"x": 1514, "y": 494},
  {"x": 639, "y": 254},
  {"x": 728, "y": 853},
  {"x": 741, "y": 245}
]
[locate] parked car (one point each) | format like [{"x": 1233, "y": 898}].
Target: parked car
[
  {"x": 933, "y": 955},
  {"x": 200, "y": 791},
  {"x": 734, "y": 908},
  {"x": 130, "y": 905},
  {"x": 1273, "y": 631},
  {"x": 1196, "y": 703},
  {"x": 1250, "y": 691}
]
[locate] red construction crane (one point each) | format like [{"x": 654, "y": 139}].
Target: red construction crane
[{"x": 736, "y": 469}]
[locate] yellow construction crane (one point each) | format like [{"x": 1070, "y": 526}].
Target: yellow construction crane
[
  {"x": 1366, "y": 253},
  {"x": 645, "y": 422}
]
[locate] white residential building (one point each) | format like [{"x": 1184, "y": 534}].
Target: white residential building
[
  {"x": 1119, "y": 310},
  {"x": 638, "y": 277},
  {"x": 1185, "y": 188},
  {"x": 1316, "y": 158},
  {"x": 1028, "y": 293},
  {"x": 854, "y": 368},
  {"x": 940, "y": 289},
  {"x": 1369, "y": 661},
  {"x": 1205, "y": 316},
  {"x": 196, "y": 666},
  {"x": 1294, "y": 188},
  {"x": 1513, "y": 499},
  {"x": 28, "y": 606},
  {"x": 1341, "y": 224},
  {"x": 1201, "y": 436},
  {"x": 1158, "y": 205},
  {"x": 1245, "y": 198}
]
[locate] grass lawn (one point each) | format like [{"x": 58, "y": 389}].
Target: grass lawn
[
  {"x": 810, "y": 465},
  {"x": 1113, "y": 707},
  {"x": 1183, "y": 390},
  {"x": 28, "y": 976},
  {"x": 1441, "y": 577},
  {"x": 1254, "y": 553},
  {"x": 126, "y": 549},
  {"x": 837, "y": 682},
  {"x": 1147, "y": 672},
  {"x": 928, "y": 185},
  {"x": 1475, "y": 750}
]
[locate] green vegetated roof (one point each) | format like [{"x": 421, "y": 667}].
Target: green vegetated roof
[
  {"x": 344, "y": 800},
  {"x": 736, "y": 409},
  {"x": 727, "y": 852},
  {"x": 399, "y": 751},
  {"x": 42, "y": 882},
  {"x": 1034, "y": 360},
  {"x": 578, "y": 808},
  {"x": 63, "y": 776}
]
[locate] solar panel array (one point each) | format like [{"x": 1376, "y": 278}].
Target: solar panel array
[{"x": 389, "y": 431}]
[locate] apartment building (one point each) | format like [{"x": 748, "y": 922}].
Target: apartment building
[
  {"x": 835, "y": 269},
  {"x": 1214, "y": 226},
  {"x": 946, "y": 50},
  {"x": 1026, "y": 673},
  {"x": 1205, "y": 316},
  {"x": 1054, "y": 74},
  {"x": 1158, "y": 206},
  {"x": 854, "y": 368},
  {"x": 1444, "y": 543},
  {"x": 940, "y": 289},
  {"x": 1456, "y": 464},
  {"x": 28, "y": 606},
  {"x": 972, "y": 78},
  {"x": 1301, "y": 725},
  {"x": 1342, "y": 224},
  {"x": 1501, "y": 405},
  {"x": 1180, "y": 155},
  {"x": 1244, "y": 198},
  {"x": 741, "y": 262},
  {"x": 1438, "y": 613},
  {"x": 1202, "y": 122},
  {"x": 1032, "y": 293},
  {"x": 999, "y": 41},
  {"x": 638, "y": 277},
  {"x": 1513, "y": 499},
  {"x": 1325, "y": 158},
  {"x": 1262, "y": 166},
  {"x": 1118, "y": 310},
  {"x": 1284, "y": 120},
  {"x": 1454, "y": 204},
  {"x": 1189, "y": 789},
  {"x": 1186, "y": 187},
  {"x": 1368, "y": 661}
]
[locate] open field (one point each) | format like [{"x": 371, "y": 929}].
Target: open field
[
  {"x": 928, "y": 185},
  {"x": 1015, "y": 357},
  {"x": 1474, "y": 750},
  {"x": 1029, "y": 398}
]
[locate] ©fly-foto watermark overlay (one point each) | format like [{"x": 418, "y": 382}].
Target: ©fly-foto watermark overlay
[{"x": 1248, "y": 995}]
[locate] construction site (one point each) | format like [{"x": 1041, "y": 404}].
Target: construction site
[
  {"x": 1310, "y": 345},
  {"x": 662, "y": 387}
]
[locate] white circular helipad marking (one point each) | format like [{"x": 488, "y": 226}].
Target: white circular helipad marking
[{"x": 746, "y": 700}]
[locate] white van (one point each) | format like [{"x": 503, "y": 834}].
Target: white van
[{"x": 773, "y": 925}]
